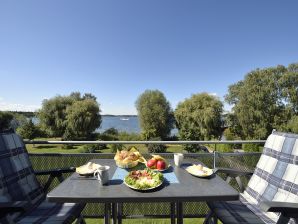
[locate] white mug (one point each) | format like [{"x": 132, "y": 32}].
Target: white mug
[
  {"x": 178, "y": 158},
  {"x": 102, "y": 174}
]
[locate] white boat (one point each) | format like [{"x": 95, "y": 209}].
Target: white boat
[{"x": 124, "y": 119}]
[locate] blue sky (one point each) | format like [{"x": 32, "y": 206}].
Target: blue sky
[{"x": 118, "y": 49}]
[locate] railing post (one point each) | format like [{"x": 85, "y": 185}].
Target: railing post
[{"x": 214, "y": 159}]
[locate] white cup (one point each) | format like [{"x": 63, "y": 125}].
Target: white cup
[
  {"x": 178, "y": 158},
  {"x": 102, "y": 174}
]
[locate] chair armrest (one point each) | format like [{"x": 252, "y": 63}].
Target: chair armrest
[
  {"x": 233, "y": 172},
  {"x": 288, "y": 209},
  {"x": 55, "y": 172},
  {"x": 12, "y": 206}
]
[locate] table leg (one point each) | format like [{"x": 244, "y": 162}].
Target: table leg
[
  {"x": 119, "y": 212},
  {"x": 179, "y": 212},
  {"x": 173, "y": 213},
  {"x": 114, "y": 213},
  {"x": 107, "y": 215}
]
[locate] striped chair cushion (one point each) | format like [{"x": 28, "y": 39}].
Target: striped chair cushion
[
  {"x": 276, "y": 175},
  {"x": 17, "y": 179},
  {"x": 52, "y": 213},
  {"x": 18, "y": 183}
]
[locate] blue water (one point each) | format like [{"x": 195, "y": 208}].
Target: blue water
[
  {"x": 127, "y": 124},
  {"x": 121, "y": 123}
]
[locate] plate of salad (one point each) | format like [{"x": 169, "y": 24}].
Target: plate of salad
[{"x": 143, "y": 179}]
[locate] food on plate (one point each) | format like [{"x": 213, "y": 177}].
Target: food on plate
[
  {"x": 87, "y": 169},
  {"x": 143, "y": 179},
  {"x": 161, "y": 165},
  {"x": 151, "y": 163},
  {"x": 157, "y": 162},
  {"x": 199, "y": 170},
  {"x": 128, "y": 158}
]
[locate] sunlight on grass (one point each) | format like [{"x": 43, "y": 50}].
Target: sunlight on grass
[{"x": 149, "y": 221}]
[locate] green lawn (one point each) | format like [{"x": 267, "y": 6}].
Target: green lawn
[
  {"x": 149, "y": 221},
  {"x": 58, "y": 148}
]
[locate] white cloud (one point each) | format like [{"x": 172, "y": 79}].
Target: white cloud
[
  {"x": 213, "y": 94},
  {"x": 4, "y": 106}
]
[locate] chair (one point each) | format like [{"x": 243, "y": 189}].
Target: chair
[
  {"x": 22, "y": 199},
  {"x": 271, "y": 195}
]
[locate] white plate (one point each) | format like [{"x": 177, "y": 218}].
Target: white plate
[
  {"x": 147, "y": 189},
  {"x": 193, "y": 170},
  {"x": 87, "y": 169}
]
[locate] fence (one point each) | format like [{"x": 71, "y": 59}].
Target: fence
[{"x": 242, "y": 161}]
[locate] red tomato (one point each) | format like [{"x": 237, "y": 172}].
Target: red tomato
[
  {"x": 151, "y": 163},
  {"x": 161, "y": 165}
]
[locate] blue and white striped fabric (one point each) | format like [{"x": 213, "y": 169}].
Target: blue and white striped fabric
[{"x": 276, "y": 175}]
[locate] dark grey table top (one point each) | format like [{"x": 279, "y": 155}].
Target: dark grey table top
[{"x": 189, "y": 188}]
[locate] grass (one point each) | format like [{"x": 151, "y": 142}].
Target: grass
[
  {"x": 58, "y": 148},
  {"x": 150, "y": 221}
]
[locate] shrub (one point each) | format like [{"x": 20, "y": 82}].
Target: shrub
[
  {"x": 224, "y": 148},
  {"x": 251, "y": 147},
  {"x": 89, "y": 148},
  {"x": 67, "y": 146},
  {"x": 156, "y": 148},
  {"x": 115, "y": 147},
  {"x": 125, "y": 136}
]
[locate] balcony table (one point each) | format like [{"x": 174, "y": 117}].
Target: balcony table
[{"x": 188, "y": 189}]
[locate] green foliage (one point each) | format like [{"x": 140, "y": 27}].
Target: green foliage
[
  {"x": 5, "y": 120},
  {"x": 92, "y": 148},
  {"x": 124, "y": 136},
  {"x": 156, "y": 148},
  {"x": 225, "y": 148},
  {"x": 70, "y": 116},
  {"x": 83, "y": 117},
  {"x": 265, "y": 100},
  {"x": 293, "y": 124},
  {"x": 28, "y": 130},
  {"x": 155, "y": 114},
  {"x": 115, "y": 147},
  {"x": 251, "y": 147},
  {"x": 111, "y": 131},
  {"x": 199, "y": 118}
]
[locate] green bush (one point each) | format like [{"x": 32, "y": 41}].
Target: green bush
[
  {"x": 88, "y": 148},
  {"x": 156, "y": 148},
  {"x": 115, "y": 147},
  {"x": 251, "y": 147},
  {"x": 92, "y": 148},
  {"x": 67, "y": 146},
  {"x": 224, "y": 148},
  {"x": 125, "y": 136}
]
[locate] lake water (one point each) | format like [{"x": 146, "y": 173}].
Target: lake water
[{"x": 127, "y": 124}]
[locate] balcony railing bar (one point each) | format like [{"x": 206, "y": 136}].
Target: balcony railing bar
[{"x": 148, "y": 142}]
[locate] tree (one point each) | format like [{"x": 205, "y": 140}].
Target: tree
[
  {"x": 265, "y": 100},
  {"x": 82, "y": 117},
  {"x": 155, "y": 114},
  {"x": 28, "y": 130},
  {"x": 5, "y": 120},
  {"x": 52, "y": 115},
  {"x": 56, "y": 115},
  {"x": 199, "y": 118}
]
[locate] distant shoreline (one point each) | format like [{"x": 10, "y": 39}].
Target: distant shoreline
[
  {"x": 32, "y": 114},
  {"x": 124, "y": 115}
]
